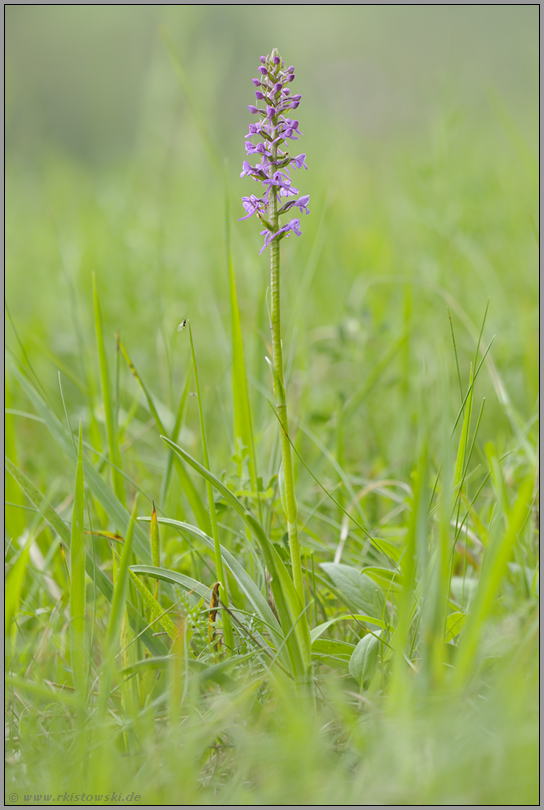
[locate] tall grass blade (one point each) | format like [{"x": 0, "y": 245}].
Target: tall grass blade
[
  {"x": 493, "y": 570},
  {"x": 243, "y": 422},
  {"x": 223, "y": 594},
  {"x": 77, "y": 581},
  {"x": 14, "y": 586},
  {"x": 111, "y": 427},
  {"x": 111, "y": 643},
  {"x": 15, "y": 520},
  {"x": 415, "y": 540},
  {"x": 154, "y": 645},
  {"x": 113, "y": 507},
  {"x": 191, "y": 100},
  {"x": 195, "y": 501},
  {"x": 247, "y": 585},
  {"x": 155, "y": 545}
]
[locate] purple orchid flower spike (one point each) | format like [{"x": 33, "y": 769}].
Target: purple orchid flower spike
[{"x": 275, "y": 129}]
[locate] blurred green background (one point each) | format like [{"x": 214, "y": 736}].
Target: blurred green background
[
  {"x": 421, "y": 133},
  {"x": 420, "y": 129}
]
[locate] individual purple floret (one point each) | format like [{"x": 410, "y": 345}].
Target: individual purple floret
[{"x": 274, "y": 129}]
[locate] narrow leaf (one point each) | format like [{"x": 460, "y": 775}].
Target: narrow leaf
[{"x": 77, "y": 580}]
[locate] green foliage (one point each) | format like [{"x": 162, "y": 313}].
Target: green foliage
[{"x": 408, "y": 672}]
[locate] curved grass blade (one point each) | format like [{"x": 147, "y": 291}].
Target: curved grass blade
[
  {"x": 195, "y": 501},
  {"x": 115, "y": 510},
  {"x": 154, "y": 645},
  {"x": 247, "y": 585},
  {"x": 287, "y": 601}
]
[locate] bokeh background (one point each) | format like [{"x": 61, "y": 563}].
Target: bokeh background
[{"x": 420, "y": 129}]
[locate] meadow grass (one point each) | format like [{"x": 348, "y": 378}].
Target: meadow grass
[{"x": 143, "y": 461}]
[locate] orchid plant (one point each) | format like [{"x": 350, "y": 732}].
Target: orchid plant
[{"x": 275, "y": 129}]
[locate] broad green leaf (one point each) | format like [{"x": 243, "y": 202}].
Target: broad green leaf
[
  {"x": 388, "y": 580},
  {"x": 318, "y": 631},
  {"x": 359, "y": 592},
  {"x": 454, "y": 624},
  {"x": 333, "y": 653},
  {"x": 363, "y": 662},
  {"x": 330, "y": 646},
  {"x": 463, "y": 590}
]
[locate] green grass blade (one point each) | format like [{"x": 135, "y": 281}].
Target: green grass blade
[
  {"x": 191, "y": 100},
  {"x": 463, "y": 439},
  {"x": 15, "y": 520},
  {"x": 14, "y": 585},
  {"x": 171, "y": 456},
  {"x": 195, "y": 501},
  {"x": 355, "y": 400},
  {"x": 111, "y": 642},
  {"x": 247, "y": 585},
  {"x": 243, "y": 423},
  {"x": 40, "y": 690},
  {"x": 154, "y": 645},
  {"x": 111, "y": 504},
  {"x": 165, "y": 575},
  {"x": 203, "y": 591},
  {"x": 413, "y": 543},
  {"x": 299, "y": 654},
  {"x": 493, "y": 570},
  {"x": 77, "y": 581},
  {"x": 223, "y": 594},
  {"x": 111, "y": 429},
  {"x": 154, "y": 606},
  {"x": 155, "y": 545}
]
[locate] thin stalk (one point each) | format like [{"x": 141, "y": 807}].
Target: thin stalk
[
  {"x": 223, "y": 595},
  {"x": 290, "y": 504}
]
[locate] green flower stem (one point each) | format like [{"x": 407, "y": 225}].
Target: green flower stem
[{"x": 279, "y": 393}]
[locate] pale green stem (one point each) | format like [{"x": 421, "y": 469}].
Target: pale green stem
[{"x": 279, "y": 393}]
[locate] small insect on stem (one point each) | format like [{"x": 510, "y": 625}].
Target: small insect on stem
[
  {"x": 182, "y": 325},
  {"x": 214, "y": 602}
]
